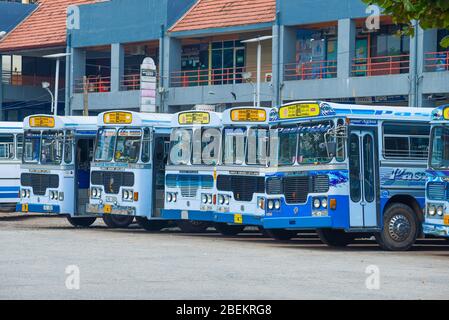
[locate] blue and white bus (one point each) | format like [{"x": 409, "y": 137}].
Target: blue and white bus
[
  {"x": 242, "y": 167},
  {"x": 11, "y": 140},
  {"x": 437, "y": 195},
  {"x": 190, "y": 181},
  {"x": 350, "y": 171},
  {"x": 55, "y": 170},
  {"x": 128, "y": 169}
]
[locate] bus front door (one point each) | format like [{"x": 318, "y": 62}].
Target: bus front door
[
  {"x": 362, "y": 178},
  {"x": 84, "y": 154}
]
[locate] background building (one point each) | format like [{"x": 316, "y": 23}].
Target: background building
[{"x": 320, "y": 49}]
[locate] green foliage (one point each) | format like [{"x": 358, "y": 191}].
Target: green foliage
[{"x": 430, "y": 14}]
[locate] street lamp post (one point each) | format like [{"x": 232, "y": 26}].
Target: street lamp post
[
  {"x": 259, "y": 63},
  {"x": 46, "y": 86},
  {"x": 55, "y": 97}
]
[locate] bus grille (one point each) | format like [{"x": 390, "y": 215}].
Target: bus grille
[
  {"x": 274, "y": 185},
  {"x": 189, "y": 184},
  {"x": 297, "y": 189},
  {"x": 39, "y": 182},
  {"x": 243, "y": 187},
  {"x": 112, "y": 181},
  {"x": 437, "y": 191}
]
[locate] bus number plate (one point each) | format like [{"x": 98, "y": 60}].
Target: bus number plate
[
  {"x": 24, "y": 207},
  {"x": 238, "y": 219},
  {"x": 446, "y": 220},
  {"x": 107, "y": 208}
]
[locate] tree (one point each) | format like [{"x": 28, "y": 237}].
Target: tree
[{"x": 429, "y": 13}]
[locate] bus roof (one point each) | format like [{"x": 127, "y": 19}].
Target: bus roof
[
  {"x": 440, "y": 114},
  {"x": 311, "y": 110},
  {"x": 8, "y": 126},
  {"x": 50, "y": 122},
  {"x": 134, "y": 119},
  {"x": 197, "y": 118},
  {"x": 248, "y": 115}
]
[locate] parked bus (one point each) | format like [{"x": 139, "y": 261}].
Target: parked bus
[
  {"x": 11, "y": 141},
  {"x": 128, "y": 169},
  {"x": 350, "y": 171},
  {"x": 242, "y": 167},
  {"x": 437, "y": 195},
  {"x": 55, "y": 168},
  {"x": 190, "y": 179}
]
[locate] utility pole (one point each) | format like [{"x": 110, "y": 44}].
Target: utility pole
[{"x": 85, "y": 97}]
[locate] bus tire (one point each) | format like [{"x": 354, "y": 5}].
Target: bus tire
[
  {"x": 334, "y": 237},
  {"x": 117, "y": 222},
  {"x": 400, "y": 228},
  {"x": 281, "y": 234},
  {"x": 188, "y": 226},
  {"x": 84, "y": 222},
  {"x": 151, "y": 225},
  {"x": 229, "y": 229}
]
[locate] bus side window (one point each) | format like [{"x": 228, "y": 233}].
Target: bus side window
[
  {"x": 6, "y": 146},
  {"x": 19, "y": 146},
  {"x": 404, "y": 141}
]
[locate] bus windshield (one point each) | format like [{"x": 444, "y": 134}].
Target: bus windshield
[
  {"x": 32, "y": 146},
  {"x": 51, "y": 149},
  {"x": 104, "y": 150},
  {"x": 440, "y": 148},
  {"x": 128, "y": 145},
  {"x": 312, "y": 143}
]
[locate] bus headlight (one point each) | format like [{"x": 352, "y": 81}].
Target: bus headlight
[
  {"x": 227, "y": 200},
  {"x": 204, "y": 198},
  {"x": 221, "y": 199},
  {"x": 169, "y": 197},
  {"x": 174, "y": 197},
  {"x": 261, "y": 203},
  {"x": 128, "y": 195},
  {"x": 316, "y": 203},
  {"x": 440, "y": 211},
  {"x": 209, "y": 199},
  {"x": 431, "y": 210},
  {"x": 277, "y": 204},
  {"x": 23, "y": 193},
  {"x": 53, "y": 195},
  {"x": 270, "y": 204},
  {"x": 95, "y": 193},
  {"x": 324, "y": 203}
]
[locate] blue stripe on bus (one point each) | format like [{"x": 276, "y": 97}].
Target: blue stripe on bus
[
  {"x": 9, "y": 195},
  {"x": 9, "y": 189}
]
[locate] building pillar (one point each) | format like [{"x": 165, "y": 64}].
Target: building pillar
[
  {"x": 77, "y": 61},
  {"x": 346, "y": 47},
  {"x": 423, "y": 42},
  {"x": 171, "y": 63},
  {"x": 117, "y": 66},
  {"x": 287, "y": 55}
]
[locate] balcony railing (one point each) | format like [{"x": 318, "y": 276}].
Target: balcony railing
[
  {"x": 19, "y": 79},
  {"x": 380, "y": 66},
  {"x": 206, "y": 77},
  {"x": 93, "y": 84},
  {"x": 130, "y": 82},
  {"x": 310, "y": 70},
  {"x": 436, "y": 61}
]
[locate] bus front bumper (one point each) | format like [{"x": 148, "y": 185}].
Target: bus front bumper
[
  {"x": 193, "y": 215},
  {"x": 297, "y": 223},
  {"x": 236, "y": 218},
  {"x": 110, "y": 209},
  {"x": 437, "y": 230},
  {"x": 38, "y": 208}
]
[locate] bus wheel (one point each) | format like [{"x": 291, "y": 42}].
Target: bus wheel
[
  {"x": 335, "y": 238},
  {"x": 81, "y": 222},
  {"x": 228, "y": 229},
  {"x": 114, "y": 221},
  {"x": 192, "y": 226},
  {"x": 281, "y": 234},
  {"x": 151, "y": 225},
  {"x": 400, "y": 228}
]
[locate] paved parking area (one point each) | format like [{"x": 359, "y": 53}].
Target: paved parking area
[{"x": 37, "y": 252}]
